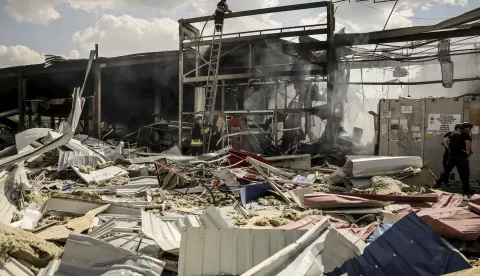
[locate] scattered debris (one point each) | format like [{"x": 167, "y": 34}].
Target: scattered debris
[
  {"x": 148, "y": 211},
  {"x": 25, "y": 246}
]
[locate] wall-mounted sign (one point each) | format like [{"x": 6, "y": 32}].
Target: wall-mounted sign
[
  {"x": 386, "y": 114},
  {"x": 439, "y": 124},
  {"x": 406, "y": 109}
]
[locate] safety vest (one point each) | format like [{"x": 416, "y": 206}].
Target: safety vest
[{"x": 196, "y": 143}]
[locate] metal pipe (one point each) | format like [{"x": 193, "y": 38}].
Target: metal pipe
[{"x": 9, "y": 113}]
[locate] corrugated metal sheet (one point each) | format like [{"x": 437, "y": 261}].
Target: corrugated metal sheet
[
  {"x": 50, "y": 269},
  {"x": 409, "y": 247},
  {"x": 231, "y": 251},
  {"x": 62, "y": 140},
  {"x": 324, "y": 201},
  {"x": 130, "y": 241},
  {"x": 212, "y": 218},
  {"x": 297, "y": 162},
  {"x": 101, "y": 175},
  {"x": 69, "y": 158},
  {"x": 383, "y": 165},
  {"x": 76, "y": 206},
  {"x": 7, "y": 204},
  {"x": 165, "y": 232},
  {"x": 103, "y": 230},
  {"x": 26, "y": 137},
  {"x": 450, "y": 222},
  {"x": 320, "y": 250},
  {"x": 87, "y": 256},
  {"x": 11, "y": 267},
  {"x": 298, "y": 195}
]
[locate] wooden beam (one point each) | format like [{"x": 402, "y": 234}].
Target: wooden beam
[
  {"x": 262, "y": 11},
  {"x": 258, "y": 37}
]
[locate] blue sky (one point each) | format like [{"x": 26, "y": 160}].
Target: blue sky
[{"x": 32, "y": 28}]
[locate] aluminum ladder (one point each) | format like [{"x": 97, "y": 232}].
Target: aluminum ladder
[{"x": 212, "y": 84}]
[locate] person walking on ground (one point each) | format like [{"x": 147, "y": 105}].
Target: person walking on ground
[
  {"x": 222, "y": 8},
  {"x": 459, "y": 144},
  {"x": 447, "y": 152},
  {"x": 197, "y": 137}
]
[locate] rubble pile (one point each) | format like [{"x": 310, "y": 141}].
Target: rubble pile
[{"x": 74, "y": 205}]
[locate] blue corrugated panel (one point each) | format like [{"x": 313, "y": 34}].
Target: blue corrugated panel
[
  {"x": 409, "y": 247},
  {"x": 254, "y": 191}
]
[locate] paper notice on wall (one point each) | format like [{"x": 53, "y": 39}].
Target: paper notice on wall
[
  {"x": 395, "y": 122},
  {"x": 475, "y": 130},
  {"x": 403, "y": 121},
  {"x": 417, "y": 137},
  {"x": 416, "y": 128},
  {"x": 386, "y": 114},
  {"x": 406, "y": 109},
  {"x": 384, "y": 129},
  {"x": 404, "y": 128},
  {"x": 439, "y": 124}
]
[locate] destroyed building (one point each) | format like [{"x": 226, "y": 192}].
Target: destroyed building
[{"x": 96, "y": 175}]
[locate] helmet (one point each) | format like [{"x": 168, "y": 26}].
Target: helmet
[
  {"x": 457, "y": 126},
  {"x": 466, "y": 125}
]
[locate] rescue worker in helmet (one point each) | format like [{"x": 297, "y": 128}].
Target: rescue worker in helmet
[
  {"x": 197, "y": 137},
  {"x": 222, "y": 8}
]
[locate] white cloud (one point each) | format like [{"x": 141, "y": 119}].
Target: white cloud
[
  {"x": 74, "y": 54},
  {"x": 19, "y": 55},
  {"x": 128, "y": 5},
  {"x": 37, "y": 11},
  {"x": 124, "y": 35},
  {"x": 44, "y": 11}
]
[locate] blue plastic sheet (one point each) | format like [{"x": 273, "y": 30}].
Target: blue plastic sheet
[
  {"x": 254, "y": 191},
  {"x": 409, "y": 247}
]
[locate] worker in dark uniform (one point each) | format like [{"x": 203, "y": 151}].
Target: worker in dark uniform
[
  {"x": 197, "y": 137},
  {"x": 459, "y": 144},
  {"x": 222, "y": 8},
  {"x": 447, "y": 152}
]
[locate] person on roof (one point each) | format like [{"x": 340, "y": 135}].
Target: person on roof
[
  {"x": 459, "y": 145},
  {"x": 222, "y": 8}
]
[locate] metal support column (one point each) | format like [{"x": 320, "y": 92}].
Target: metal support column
[
  {"x": 240, "y": 98},
  {"x": 22, "y": 95},
  {"x": 86, "y": 116},
  {"x": 52, "y": 122},
  {"x": 158, "y": 103},
  {"x": 222, "y": 108},
  {"x": 97, "y": 100},
  {"x": 331, "y": 129},
  {"x": 180, "y": 86}
]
